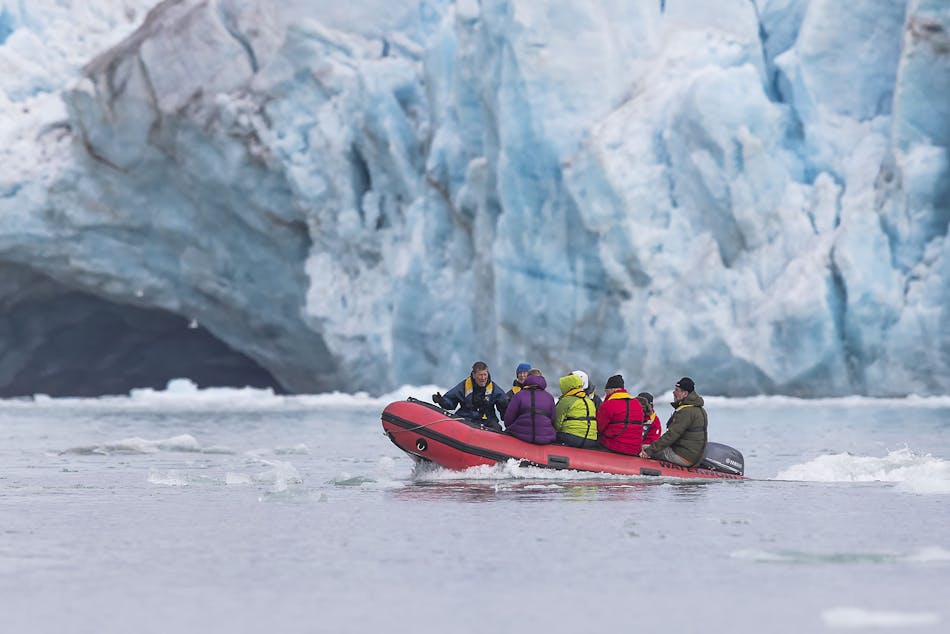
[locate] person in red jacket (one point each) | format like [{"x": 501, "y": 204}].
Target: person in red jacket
[
  {"x": 652, "y": 429},
  {"x": 620, "y": 419}
]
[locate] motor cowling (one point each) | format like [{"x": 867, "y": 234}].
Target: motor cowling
[{"x": 722, "y": 458}]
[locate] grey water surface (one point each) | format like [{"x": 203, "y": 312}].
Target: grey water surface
[{"x": 294, "y": 515}]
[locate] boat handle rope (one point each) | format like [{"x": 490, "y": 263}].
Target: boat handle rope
[{"x": 433, "y": 422}]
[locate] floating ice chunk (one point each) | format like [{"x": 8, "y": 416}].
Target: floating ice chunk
[
  {"x": 169, "y": 478},
  {"x": 300, "y": 449},
  {"x": 280, "y": 475},
  {"x": 236, "y": 478},
  {"x": 180, "y": 443}
]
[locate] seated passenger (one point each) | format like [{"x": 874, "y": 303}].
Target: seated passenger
[
  {"x": 476, "y": 397},
  {"x": 651, "y": 422},
  {"x": 684, "y": 441},
  {"x": 575, "y": 415},
  {"x": 620, "y": 419},
  {"x": 518, "y": 384},
  {"x": 589, "y": 388},
  {"x": 530, "y": 413}
]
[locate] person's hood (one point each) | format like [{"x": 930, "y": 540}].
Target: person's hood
[
  {"x": 585, "y": 380},
  {"x": 690, "y": 399},
  {"x": 536, "y": 380},
  {"x": 570, "y": 382}
]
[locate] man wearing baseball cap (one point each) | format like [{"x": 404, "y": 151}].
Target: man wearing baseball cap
[{"x": 685, "y": 439}]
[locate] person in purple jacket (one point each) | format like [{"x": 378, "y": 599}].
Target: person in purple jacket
[{"x": 531, "y": 411}]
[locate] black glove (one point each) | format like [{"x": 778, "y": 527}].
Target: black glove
[{"x": 437, "y": 399}]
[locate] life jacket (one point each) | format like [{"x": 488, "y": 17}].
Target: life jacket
[
  {"x": 616, "y": 396},
  {"x": 589, "y": 417},
  {"x": 470, "y": 387},
  {"x": 648, "y": 423},
  {"x": 676, "y": 408},
  {"x": 532, "y": 390}
]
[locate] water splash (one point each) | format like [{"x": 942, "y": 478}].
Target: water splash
[
  {"x": 512, "y": 469},
  {"x": 916, "y": 472}
]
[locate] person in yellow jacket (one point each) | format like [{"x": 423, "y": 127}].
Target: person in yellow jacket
[{"x": 575, "y": 415}]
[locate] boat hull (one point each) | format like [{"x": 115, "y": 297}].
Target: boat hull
[{"x": 430, "y": 433}]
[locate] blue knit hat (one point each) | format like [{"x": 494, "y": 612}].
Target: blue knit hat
[{"x": 522, "y": 367}]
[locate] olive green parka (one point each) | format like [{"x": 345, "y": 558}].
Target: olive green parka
[{"x": 686, "y": 430}]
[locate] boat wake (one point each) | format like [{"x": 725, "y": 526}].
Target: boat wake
[
  {"x": 914, "y": 472},
  {"x": 513, "y": 470}
]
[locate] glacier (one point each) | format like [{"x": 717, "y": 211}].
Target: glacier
[{"x": 755, "y": 193}]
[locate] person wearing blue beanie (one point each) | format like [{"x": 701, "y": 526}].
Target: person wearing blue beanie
[{"x": 521, "y": 373}]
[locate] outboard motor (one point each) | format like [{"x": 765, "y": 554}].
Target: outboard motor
[{"x": 723, "y": 458}]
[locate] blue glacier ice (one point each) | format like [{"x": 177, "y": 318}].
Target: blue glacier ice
[{"x": 367, "y": 194}]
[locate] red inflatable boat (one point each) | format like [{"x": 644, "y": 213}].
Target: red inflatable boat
[{"x": 428, "y": 432}]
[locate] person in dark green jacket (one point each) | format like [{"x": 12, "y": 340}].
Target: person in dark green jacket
[{"x": 685, "y": 439}]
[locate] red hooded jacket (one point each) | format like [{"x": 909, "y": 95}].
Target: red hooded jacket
[
  {"x": 655, "y": 429},
  {"x": 621, "y": 429}
]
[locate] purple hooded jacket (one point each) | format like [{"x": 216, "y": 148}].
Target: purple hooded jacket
[{"x": 519, "y": 421}]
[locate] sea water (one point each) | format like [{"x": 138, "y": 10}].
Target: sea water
[{"x": 242, "y": 511}]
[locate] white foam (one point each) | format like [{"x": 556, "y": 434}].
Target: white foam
[
  {"x": 918, "y": 473},
  {"x": 851, "y": 617},
  {"x": 512, "y": 469}
]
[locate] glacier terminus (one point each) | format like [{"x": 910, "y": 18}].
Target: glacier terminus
[{"x": 318, "y": 195}]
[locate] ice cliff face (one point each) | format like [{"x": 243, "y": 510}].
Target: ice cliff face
[{"x": 753, "y": 193}]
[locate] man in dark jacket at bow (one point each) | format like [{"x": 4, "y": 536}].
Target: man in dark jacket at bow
[
  {"x": 685, "y": 439},
  {"x": 476, "y": 397}
]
